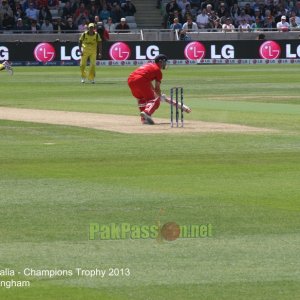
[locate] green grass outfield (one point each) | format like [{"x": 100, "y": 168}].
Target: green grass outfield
[{"x": 56, "y": 180}]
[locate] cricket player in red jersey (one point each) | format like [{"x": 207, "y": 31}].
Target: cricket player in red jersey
[{"x": 141, "y": 86}]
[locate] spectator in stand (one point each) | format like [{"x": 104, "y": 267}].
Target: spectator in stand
[
  {"x": 34, "y": 26},
  {"x": 58, "y": 25},
  {"x": 269, "y": 23},
  {"x": 67, "y": 11},
  {"x": 217, "y": 26},
  {"x": 80, "y": 13},
  {"x": 122, "y": 27},
  {"x": 244, "y": 26},
  {"x": 297, "y": 8},
  {"x": 116, "y": 12},
  {"x": 209, "y": 8},
  {"x": 258, "y": 15},
  {"x": 235, "y": 11},
  {"x": 262, "y": 8},
  {"x": 293, "y": 25},
  {"x": 70, "y": 26},
  {"x": 110, "y": 26},
  {"x": 202, "y": 19},
  {"x": 189, "y": 12},
  {"x": 129, "y": 8},
  {"x": 19, "y": 13},
  {"x": 283, "y": 25},
  {"x": 6, "y": 12},
  {"x": 93, "y": 11},
  {"x": 44, "y": 14},
  {"x": 293, "y": 15},
  {"x": 267, "y": 13},
  {"x": 189, "y": 25},
  {"x": 20, "y": 27},
  {"x": 25, "y": 4},
  {"x": 110, "y": 3},
  {"x": 75, "y": 4},
  {"x": 32, "y": 13},
  {"x": 248, "y": 10},
  {"x": 104, "y": 34},
  {"x": 7, "y": 22},
  {"x": 281, "y": 13},
  {"x": 176, "y": 25},
  {"x": 182, "y": 5},
  {"x": 83, "y": 24},
  {"x": 222, "y": 11},
  {"x": 170, "y": 8},
  {"x": 104, "y": 13},
  {"x": 53, "y": 4},
  {"x": 178, "y": 15},
  {"x": 41, "y": 3},
  {"x": 47, "y": 26},
  {"x": 243, "y": 16},
  {"x": 211, "y": 18},
  {"x": 228, "y": 26},
  {"x": 257, "y": 25}
]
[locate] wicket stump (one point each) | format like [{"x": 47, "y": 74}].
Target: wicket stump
[{"x": 176, "y": 92}]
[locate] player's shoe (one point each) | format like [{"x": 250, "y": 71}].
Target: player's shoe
[
  {"x": 8, "y": 67},
  {"x": 92, "y": 81},
  {"x": 82, "y": 80},
  {"x": 147, "y": 118}
]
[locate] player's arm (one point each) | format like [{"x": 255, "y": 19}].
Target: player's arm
[
  {"x": 99, "y": 47},
  {"x": 80, "y": 44},
  {"x": 157, "y": 88}
]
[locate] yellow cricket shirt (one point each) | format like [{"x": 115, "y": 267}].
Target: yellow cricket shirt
[{"x": 89, "y": 42}]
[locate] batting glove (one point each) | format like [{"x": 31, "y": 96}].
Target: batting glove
[{"x": 163, "y": 98}]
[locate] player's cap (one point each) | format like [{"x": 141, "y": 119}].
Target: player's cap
[
  {"x": 19, "y": 19},
  {"x": 123, "y": 20},
  {"x": 283, "y": 17},
  {"x": 160, "y": 57},
  {"x": 91, "y": 25}
]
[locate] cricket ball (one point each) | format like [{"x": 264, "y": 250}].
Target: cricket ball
[{"x": 170, "y": 231}]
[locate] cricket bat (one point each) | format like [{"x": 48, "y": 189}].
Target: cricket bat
[{"x": 185, "y": 108}]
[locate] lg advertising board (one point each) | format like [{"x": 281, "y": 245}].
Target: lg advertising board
[{"x": 68, "y": 53}]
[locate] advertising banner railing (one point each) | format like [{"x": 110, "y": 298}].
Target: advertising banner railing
[{"x": 179, "y": 52}]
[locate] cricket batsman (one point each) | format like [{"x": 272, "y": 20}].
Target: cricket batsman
[
  {"x": 6, "y": 66},
  {"x": 144, "y": 84},
  {"x": 89, "y": 45}
]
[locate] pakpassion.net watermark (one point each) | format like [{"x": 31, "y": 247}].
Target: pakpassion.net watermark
[{"x": 169, "y": 231}]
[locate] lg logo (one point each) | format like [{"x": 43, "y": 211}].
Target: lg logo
[
  {"x": 44, "y": 52},
  {"x": 119, "y": 51},
  {"x": 269, "y": 50},
  {"x": 194, "y": 50}
]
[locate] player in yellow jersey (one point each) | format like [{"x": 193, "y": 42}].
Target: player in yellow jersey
[
  {"x": 90, "y": 45},
  {"x": 6, "y": 66}
]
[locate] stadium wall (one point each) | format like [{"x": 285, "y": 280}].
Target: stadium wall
[{"x": 67, "y": 53}]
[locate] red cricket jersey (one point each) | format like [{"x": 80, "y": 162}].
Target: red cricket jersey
[{"x": 149, "y": 71}]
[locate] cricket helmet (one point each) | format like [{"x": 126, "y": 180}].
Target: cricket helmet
[{"x": 161, "y": 58}]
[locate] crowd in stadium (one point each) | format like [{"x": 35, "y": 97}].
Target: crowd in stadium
[
  {"x": 232, "y": 15},
  {"x": 213, "y": 15},
  {"x": 61, "y": 16}
]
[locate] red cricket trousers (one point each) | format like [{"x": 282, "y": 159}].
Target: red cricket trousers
[{"x": 142, "y": 90}]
